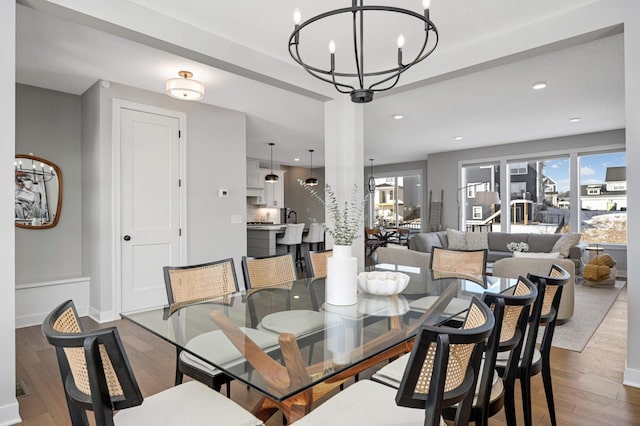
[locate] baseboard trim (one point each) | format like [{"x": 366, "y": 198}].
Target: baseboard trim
[
  {"x": 35, "y": 300},
  {"x": 631, "y": 377},
  {"x": 10, "y": 414},
  {"x": 102, "y": 317}
]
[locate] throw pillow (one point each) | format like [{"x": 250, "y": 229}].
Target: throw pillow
[
  {"x": 554, "y": 255},
  {"x": 564, "y": 244},
  {"x": 477, "y": 240},
  {"x": 457, "y": 239}
]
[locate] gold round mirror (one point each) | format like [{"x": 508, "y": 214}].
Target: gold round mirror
[{"x": 38, "y": 193}]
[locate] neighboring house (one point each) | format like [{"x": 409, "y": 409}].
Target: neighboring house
[{"x": 608, "y": 196}]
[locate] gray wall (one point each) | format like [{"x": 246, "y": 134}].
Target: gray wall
[
  {"x": 298, "y": 198},
  {"x": 48, "y": 125},
  {"x": 442, "y": 168},
  {"x": 216, "y": 158}
]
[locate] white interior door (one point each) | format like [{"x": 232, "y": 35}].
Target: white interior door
[{"x": 150, "y": 205}]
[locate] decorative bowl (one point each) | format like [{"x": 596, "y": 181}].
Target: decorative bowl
[
  {"x": 382, "y": 283},
  {"x": 384, "y": 306}
]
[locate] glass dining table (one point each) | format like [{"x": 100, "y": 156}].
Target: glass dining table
[{"x": 338, "y": 342}]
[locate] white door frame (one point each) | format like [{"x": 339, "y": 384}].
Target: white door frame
[{"x": 119, "y": 104}]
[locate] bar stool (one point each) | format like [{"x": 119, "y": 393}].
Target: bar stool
[
  {"x": 293, "y": 237},
  {"x": 315, "y": 236}
]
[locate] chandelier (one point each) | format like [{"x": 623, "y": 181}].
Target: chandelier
[{"x": 361, "y": 83}]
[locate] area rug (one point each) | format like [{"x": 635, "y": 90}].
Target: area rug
[{"x": 591, "y": 306}]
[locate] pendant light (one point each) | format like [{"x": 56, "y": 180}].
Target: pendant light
[
  {"x": 311, "y": 181},
  {"x": 372, "y": 180},
  {"x": 271, "y": 177}
]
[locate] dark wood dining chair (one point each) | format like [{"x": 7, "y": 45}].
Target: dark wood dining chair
[
  {"x": 440, "y": 372},
  {"x": 511, "y": 311},
  {"x": 97, "y": 376},
  {"x": 533, "y": 360},
  {"x": 191, "y": 284},
  {"x": 460, "y": 261},
  {"x": 316, "y": 263}
]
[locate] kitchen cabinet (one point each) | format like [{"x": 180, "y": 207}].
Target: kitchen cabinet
[
  {"x": 255, "y": 175},
  {"x": 273, "y": 195}
]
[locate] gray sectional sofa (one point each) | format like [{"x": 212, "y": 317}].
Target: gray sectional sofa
[{"x": 497, "y": 244}]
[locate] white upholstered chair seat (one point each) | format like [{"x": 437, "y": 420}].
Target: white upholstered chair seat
[
  {"x": 455, "y": 306},
  {"x": 315, "y": 234},
  {"x": 391, "y": 375},
  {"x": 364, "y": 403},
  {"x": 216, "y": 346},
  {"x": 501, "y": 361},
  {"x": 296, "y": 322},
  {"x": 191, "y": 403}
]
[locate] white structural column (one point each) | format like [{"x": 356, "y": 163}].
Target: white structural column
[
  {"x": 344, "y": 153},
  {"x": 631, "y": 15},
  {"x": 8, "y": 402}
]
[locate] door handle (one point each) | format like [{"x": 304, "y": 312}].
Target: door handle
[{"x": 127, "y": 237}]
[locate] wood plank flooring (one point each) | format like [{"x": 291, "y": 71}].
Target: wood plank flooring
[{"x": 587, "y": 386}]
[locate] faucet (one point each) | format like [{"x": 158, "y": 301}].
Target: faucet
[{"x": 293, "y": 212}]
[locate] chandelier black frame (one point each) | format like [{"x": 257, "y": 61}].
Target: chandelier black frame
[{"x": 391, "y": 76}]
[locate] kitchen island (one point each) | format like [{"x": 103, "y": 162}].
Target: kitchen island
[{"x": 261, "y": 240}]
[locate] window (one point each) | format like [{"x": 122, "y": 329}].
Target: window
[
  {"x": 485, "y": 177},
  {"x": 397, "y": 201},
  {"x": 539, "y": 195},
  {"x": 477, "y": 212},
  {"x": 518, "y": 168},
  {"x": 603, "y": 197}
]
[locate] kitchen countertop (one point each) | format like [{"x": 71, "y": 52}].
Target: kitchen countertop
[{"x": 273, "y": 227}]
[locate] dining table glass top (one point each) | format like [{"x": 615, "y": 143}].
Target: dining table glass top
[{"x": 241, "y": 334}]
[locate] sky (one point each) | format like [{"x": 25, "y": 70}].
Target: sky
[{"x": 592, "y": 168}]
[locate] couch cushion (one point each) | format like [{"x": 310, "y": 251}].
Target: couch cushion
[
  {"x": 498, "y": 240},
  {"x": 542, "y": 243},
  {"x": 565, "y": 242},
  {"x": 477, "y": 240},
  {"x": 425, "y": 241},
  {"x": 457, "y": 239}
]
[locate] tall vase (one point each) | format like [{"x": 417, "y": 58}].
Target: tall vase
[{"x": 342, "y": 277}]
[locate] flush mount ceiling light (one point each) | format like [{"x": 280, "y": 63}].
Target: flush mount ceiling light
[
  {"x": 539, "y": 85},
  {"x": 368, "y": 81},
  {"x": 184, "y": 87},
  {"x": 397, "y": 116},
  {"x": 311, "y": 181},
  {"x": 575, "y": 119},
  {"x": 271, "y": 177},
  {"x": 457, "y": 138}
]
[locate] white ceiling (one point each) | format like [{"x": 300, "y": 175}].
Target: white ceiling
[{"x": 490, "y": 106}]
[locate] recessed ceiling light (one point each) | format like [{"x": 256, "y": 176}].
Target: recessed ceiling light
[
  {"x": 574, "y": 119},
  {"x": 539, "y": 85},
  {"x": 457, "y": 138},
  {"x": 397, "y": 116},
  {"x": 296, "y": 159}
]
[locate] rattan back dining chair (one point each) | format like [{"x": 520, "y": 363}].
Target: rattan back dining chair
[
  {"x": 192, "y": 284},
  {"x": 316, "y": 262},
  {"x": 273, "y": 276},
  {"x": 533, "y": 360},
  {"x": 97, "y": 376},
  {"x": 441, "y": 372},
  {"x": 511, "y": 311},
  {"x": 460, "y": 261},
  {"x": 268, "y": 271}
]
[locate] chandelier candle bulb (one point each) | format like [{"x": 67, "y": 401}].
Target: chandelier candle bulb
[
  {"x": 297, "y": 16},
  {"x": 426, "y": 4}
]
